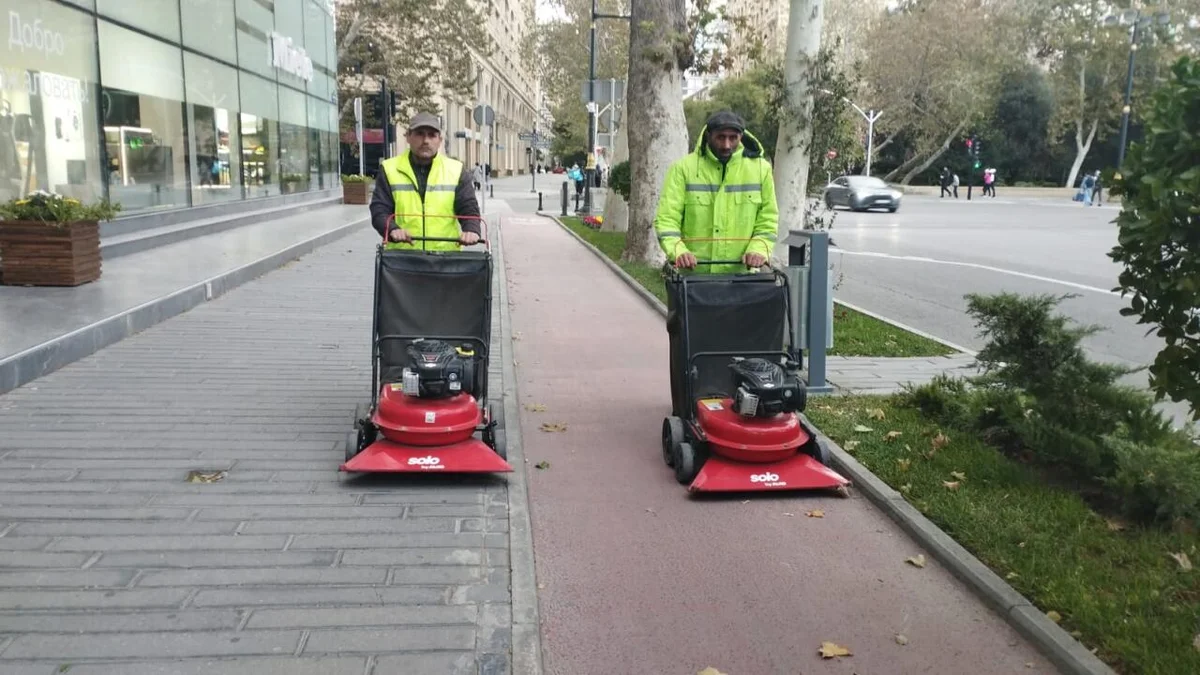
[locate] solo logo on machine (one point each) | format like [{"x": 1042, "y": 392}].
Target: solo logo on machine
[
  {"x": 769, "y": 478},
  {"x": 427, "y": 462}
]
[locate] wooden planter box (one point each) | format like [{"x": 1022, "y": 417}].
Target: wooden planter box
[
  {"x": 35, "y": 254},
  {"x": 356, "y": 193}
]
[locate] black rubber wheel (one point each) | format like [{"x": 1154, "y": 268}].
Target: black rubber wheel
[
  {"x": 817, "y": 450},
  {"x": 672, "y": 436},
  {"x": 685, "y": 463},
  {"x": 893, "y": 209},
  {"x": 500, "y": 445},
  {"x": 352, "y": 448}
]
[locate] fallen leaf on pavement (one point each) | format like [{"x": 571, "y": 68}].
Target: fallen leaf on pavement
[
  {"x": 542, "y": 465},
  {"x": 940, "y": 441},
  {"x": 876, "y": 414},
  {"x": 652, "y": 511},
  {"x": 958, "y": 475},
  {"x": 205, "y": 476},
  {"x": 916, "y": 561},
  {"x": 746, "y": 501},
  {"x": 901, "y": 639},
  {"x": 535, "y": 407},
  {"x": 1182, "y": 558},
  {"x": 789, "y": 515},
  {"x": 710, "y": 671},
  {"x": 892, "y": 435},
  {"x": 830, "y": 650},
  {"x": 1029, "y": 664},
  {"x": 815, "y": 513},
  {"x": 551, "y": 428},
  {"x": 859, "y": 428},
  {"x": 541, "y": 587},
  {"x": 849, "y": 446},
  {"x": 950, "y": 484},
  {"x": 1054, "y": 616},
  {"x": 1011, "y": 575},
  {"x": 903, "y": 464}
]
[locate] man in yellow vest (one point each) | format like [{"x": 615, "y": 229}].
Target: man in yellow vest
[
  {"x": 721, "y": 196},
  {"x": 425, "y": 190}
]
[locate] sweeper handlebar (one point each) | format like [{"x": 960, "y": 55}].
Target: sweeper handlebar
[{"x": 483, "y": 238}]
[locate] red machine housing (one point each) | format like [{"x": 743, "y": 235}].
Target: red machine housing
[
  {"x": 750, "y": 454},
  {"x": 422, "y": 435}
]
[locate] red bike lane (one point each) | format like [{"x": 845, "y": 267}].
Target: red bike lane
[{"x": 637, "y": 578}]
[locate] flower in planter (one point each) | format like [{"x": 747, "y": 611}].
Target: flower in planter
[
  {"x": 56, "y": 210},
  {"x": 355, "y": 178}
]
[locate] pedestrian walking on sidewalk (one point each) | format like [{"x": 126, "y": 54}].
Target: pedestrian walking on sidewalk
[{"x": 425, "y": 190}]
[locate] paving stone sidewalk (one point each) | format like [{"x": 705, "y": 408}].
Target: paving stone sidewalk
[
  {"x": 867, "y": 375},
  {"x": 110, "y": 562}
]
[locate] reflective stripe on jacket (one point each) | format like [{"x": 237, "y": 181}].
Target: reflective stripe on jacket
[
  {"x": 432, "y": 216},
  {"x": 705, "y": 199}
]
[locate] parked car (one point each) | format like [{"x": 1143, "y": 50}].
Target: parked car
[{"x": 862, "y": 193}]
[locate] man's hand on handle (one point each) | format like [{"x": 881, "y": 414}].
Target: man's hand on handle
[
  {"x": 754, "y": 259},
  {"x": 400, "y": 234},
  {"x": 686, "y": 260},
  {"x": 469, "y": 238}
]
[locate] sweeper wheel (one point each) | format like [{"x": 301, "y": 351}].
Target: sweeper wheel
[
  {"x": 672, "y": 436},
  {"x": 363, "y": 433},
  {"x": 817, "y": 450},
  {"x": 685, "y": 463},
  {"x": 492, "y": 439}
]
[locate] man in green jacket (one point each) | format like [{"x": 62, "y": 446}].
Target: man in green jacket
[{"x": 718, "y": 202}]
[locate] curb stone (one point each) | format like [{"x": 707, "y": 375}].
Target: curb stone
[
  {"x": 1063, "y": 650},
  {"x": 40, "y": 360},
  {"x": 526, "y": 623}
]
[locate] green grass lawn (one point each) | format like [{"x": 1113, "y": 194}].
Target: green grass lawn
[
  {"x": 854, "y": 333},
  {"x": 1115, "y": 585}
]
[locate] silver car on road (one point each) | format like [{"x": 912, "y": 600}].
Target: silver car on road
[{"x": 862, "y": 193}]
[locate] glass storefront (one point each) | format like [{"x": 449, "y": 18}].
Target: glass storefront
[{"x": 163, "y": 104}]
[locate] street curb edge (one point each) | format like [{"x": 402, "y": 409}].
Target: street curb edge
[
  {"x": 1055, "y": 643},
  {"x": 526, "y": 622},
  {"x": 43, "y": 359}
]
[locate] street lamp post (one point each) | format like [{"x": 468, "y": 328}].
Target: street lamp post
[
  {"x": 589, "y": 168},
  {"x": 1135, "y": 17},
  {"x": 870, "y": 117}
]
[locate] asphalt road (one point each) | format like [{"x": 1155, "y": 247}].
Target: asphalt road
[{"x": 916, "y": 266}]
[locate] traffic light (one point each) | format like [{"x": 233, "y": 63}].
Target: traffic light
[{"x": 379, "y": 107}]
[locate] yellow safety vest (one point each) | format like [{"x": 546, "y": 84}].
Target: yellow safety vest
[{"x": 432, "y": 216}]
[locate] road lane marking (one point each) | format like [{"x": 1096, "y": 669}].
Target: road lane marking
[{"x": 978, "y": 266}]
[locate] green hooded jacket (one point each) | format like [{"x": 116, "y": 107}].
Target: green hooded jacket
[{"x": 705, "y": 199}]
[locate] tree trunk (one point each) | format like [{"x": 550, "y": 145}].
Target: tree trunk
[
  {"x": 616, "y": 209},
  {"x": 936, "y": 153},
  {"x": 904, "y": 166},
  {"x": 654, "y": 106},
  {"x": 795, "y": 127},
  {"x": 1082, "y": 146}
]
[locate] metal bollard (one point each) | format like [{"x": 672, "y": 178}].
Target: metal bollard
[
  {"x": 576, "y": 202},
  {"x": 540, "y": 201},
  {"x": 564, "y": 198},
  {"x": 491, "y": 190}
]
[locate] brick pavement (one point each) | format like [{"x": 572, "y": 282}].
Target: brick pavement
[{"x": 111, "y": 563}]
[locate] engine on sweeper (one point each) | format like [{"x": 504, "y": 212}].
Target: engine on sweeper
[
  {"x": 765, "y": 389},
  {"x": 438, "y": 369}
]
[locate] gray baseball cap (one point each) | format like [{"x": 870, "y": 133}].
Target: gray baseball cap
[{"x": 425, "y": 120}]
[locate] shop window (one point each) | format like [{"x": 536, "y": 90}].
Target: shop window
[
  {"x": 214, "y": 158},
  {"x": 142, "y": 112},
  {"x": 260, "y": 136},
  {"x": 49, "y": 136},
  {"x": 254, "y": 25},
  {"x": 293, "y": 140},
  {"x": 159, "y": 18},
  {"x": 209, "y": 28}
]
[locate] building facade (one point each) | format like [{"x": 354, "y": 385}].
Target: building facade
[
  {"x": 165, "y": 104},
  {"x": 504, "y": 82}
]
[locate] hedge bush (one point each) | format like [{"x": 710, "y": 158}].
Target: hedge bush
[{"x": 1040, "y": 398}]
